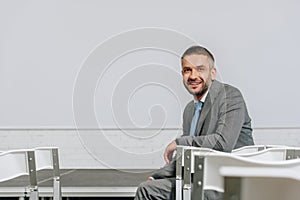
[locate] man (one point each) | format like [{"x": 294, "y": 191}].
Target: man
[{"x": 224, "y": 123}]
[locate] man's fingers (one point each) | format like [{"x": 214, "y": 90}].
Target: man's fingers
[
  {"x": 168, "y": 154},
  {"x": 166, "y": 157},
  {"x": 170, "y": 157},
  {"x": 150, "y": 179}
]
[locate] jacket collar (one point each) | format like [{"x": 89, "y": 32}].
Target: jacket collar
[{"x": 213, "y": 92}]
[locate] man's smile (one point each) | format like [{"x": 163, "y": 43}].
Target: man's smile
[{"x": 194, "y": 83}]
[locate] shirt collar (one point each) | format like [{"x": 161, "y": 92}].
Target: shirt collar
[{"x": 203, "y": 98}]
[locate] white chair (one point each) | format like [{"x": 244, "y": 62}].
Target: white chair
[
  {"x": 180, "y": 157},
  {"x": 13, "y": 164},
  {"x": 47, "y": 158},
  {"x": 267, "y": 154},
  {"x": 16, "y": 163},
  {"x": 274, "y": 182},
  {"x": 186, "y": 188},
  {"x": 207, "y": 176},
  {"x": 189, "y": 171}
]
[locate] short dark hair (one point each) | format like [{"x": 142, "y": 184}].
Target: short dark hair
[{"x": 200, "y": 51}]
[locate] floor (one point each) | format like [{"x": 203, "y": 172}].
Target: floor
[{"x": 83, "y": 178}]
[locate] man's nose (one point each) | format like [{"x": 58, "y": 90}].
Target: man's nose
[{"x": 194, "y": 74}]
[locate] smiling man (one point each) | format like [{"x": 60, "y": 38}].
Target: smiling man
[{"x": 216, "y": 118}]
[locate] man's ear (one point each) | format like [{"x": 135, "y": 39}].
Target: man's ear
[{"x": 213, "y": 73}]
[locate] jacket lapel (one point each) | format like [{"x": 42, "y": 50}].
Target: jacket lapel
[{"x": 209, "y": 101}]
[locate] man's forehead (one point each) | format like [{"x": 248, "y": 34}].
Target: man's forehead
[
  {"x": 195, "y": 60},
  {"x": 194, "y": 56}
]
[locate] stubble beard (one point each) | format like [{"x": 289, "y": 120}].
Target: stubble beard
[{"x": 201, "y": 92}]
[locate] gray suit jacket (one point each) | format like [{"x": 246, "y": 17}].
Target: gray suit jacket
[{"x": 224, "y": 124}]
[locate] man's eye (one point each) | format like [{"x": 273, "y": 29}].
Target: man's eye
[
  {"x": 200, "y": 69},
  {"x": 185, "y": 70}
]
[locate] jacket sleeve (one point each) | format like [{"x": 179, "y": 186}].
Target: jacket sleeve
[{"x": 167, "y": 171}]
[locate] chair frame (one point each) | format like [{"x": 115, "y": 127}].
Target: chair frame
[
  {"x": 28, "y": 162},
  {"x": 190, "y": 166}
]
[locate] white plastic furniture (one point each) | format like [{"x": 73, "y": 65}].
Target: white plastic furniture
[
  {"x": 189, "y": 189},
  {"x": 262, "y": 182},
  {"x": 185, "y": 186},
  {"x": 16, "y": 163},
  {"x": 180, "y": 157},
  {"x": 254, "y": 148},
  {"x": 206, "y": 169}
]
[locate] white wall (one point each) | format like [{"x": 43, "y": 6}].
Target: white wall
[
  {"x": 47, "y": 45},
  {"x": 114, "y": 65}
]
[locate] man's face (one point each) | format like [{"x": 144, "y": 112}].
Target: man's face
[{"x": 197, "y": 74}]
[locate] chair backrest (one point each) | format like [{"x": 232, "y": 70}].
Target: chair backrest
[
  {"x": 16, "y": 163},
  {"x": 254, "y": 148},
  {"x": 268, "y": 154},
  {"x": 211, "y": 179},
  {"x": 248, "y": 149},
  {"x": 47, "y": 158},
  {"x": 274, "y": 154},
  {"x": 185, "y": 166},
  {"x": 249, "y": 183},
  {"x": 13, "y": 164}
]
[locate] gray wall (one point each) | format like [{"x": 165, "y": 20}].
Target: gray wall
[
  {"x": 113, "y": 66},
  {"x": 95, "y": 64}
]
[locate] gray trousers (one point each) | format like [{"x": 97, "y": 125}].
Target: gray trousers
[{"x": 164, "y": 189}]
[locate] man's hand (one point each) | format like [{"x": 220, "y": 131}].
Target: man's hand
[
  {"x": 150, "y": 179},
  {"x": 169, "y": 151}
]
